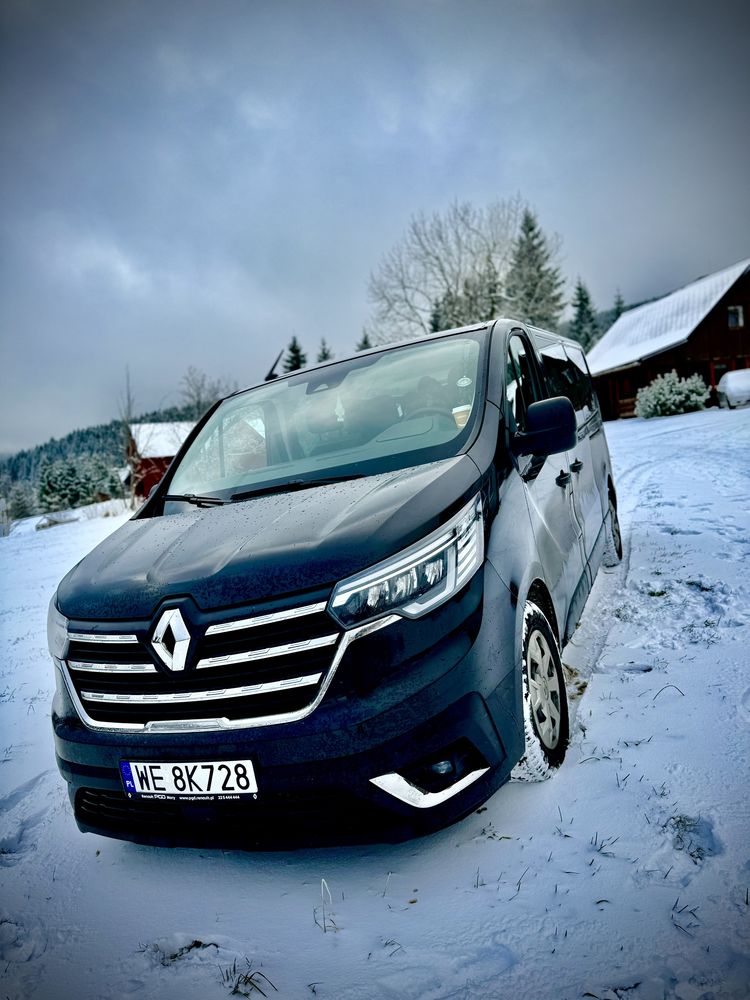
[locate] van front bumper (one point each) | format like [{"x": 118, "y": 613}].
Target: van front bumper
[{"x": 347, "y": 772}]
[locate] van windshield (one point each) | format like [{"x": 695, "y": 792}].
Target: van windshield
[{"x": 379, "y": 412}]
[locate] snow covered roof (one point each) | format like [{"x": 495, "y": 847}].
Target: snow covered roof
[
  {"x": 162, "y": 440},
  {"x": 655, "y": 327}
]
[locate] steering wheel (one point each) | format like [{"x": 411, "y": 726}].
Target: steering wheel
[{"x": 430, "y": 411}]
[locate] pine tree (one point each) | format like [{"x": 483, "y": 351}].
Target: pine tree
[
  {"x": 436, "y": 318},
  {"x": 482, "y": 295},
  {"x": 98, "y": 481},
  {"x": 364, "y": 343},
  {"x": 534, "y": 284},
  {"x": 295, "y": 357},
  {"x": 445, "y": 312},
  {"x": 324, "y": 352},
  {"x": 584, "y": 326},
  {"x": 21, "y": 500},
  {"x": 72, "y": 485},
  {"x": 619, "y": 307},
  {"x": 478, "y": 301},
  {"x": 48, "y": 493},
  {"x": 63, "y": 484}
]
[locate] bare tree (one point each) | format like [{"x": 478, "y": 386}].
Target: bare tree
[
  {"x": 198, "y": 391},
  {"x": 126, "y": 406},
  {"x": 443, "y": 258}
]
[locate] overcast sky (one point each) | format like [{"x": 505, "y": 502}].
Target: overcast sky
[{"x": 191, "y": 183}]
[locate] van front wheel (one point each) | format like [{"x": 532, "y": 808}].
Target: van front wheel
[
  {"x": 612, "y": 536},
  {"x": 545, "y": 701}
]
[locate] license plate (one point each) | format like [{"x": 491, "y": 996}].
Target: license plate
[{"x": 218, "y": 780}]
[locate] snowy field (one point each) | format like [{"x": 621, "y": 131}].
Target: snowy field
[{"x": 626, "y": 876}]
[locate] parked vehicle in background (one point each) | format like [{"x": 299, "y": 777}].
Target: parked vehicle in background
[
  {"x": 734, "y": 388},
  {"x": 340, "y": 613}
]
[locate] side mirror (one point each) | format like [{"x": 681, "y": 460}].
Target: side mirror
[{"x": 550, "y": 428}]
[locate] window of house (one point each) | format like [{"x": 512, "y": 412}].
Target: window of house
[{"x": 735, "y": 317}]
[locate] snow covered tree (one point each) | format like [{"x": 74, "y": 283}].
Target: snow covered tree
[
  {"x": 448, "y": 269},
  {"x": 49, "y": 494},
  {"x": 619, "y": 307},
  {"x": 65, "y": 484},
  {"x": 21, "y": 500},
  {"x": 98, "y": 480},
  {"x": 669, "y": 394},
  {"x": 534, "y": 284},
  {"x": 60, "y": 486},
  {"x": 295, "y": 356},
  {"x": 584, "y": 326},
  {"x": 364, "y": 343},
  {"x": 324, "y": 351}
]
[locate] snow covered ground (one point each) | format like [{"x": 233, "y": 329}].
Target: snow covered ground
[{"x": 627, "y": 875}]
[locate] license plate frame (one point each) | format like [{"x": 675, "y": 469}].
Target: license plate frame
[{"x": 189, "y": 781}]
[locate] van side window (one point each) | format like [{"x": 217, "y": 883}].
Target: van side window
[
  {"x": 521, "y": 387},
  {"x": 582, "y": 375},
  {"x": 567, "y": 376}
]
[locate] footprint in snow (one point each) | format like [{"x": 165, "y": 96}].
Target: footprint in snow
[
  {"x": 695, "y": 836},
  {"x": 669, "y": 529},
  {"x": 21, "y": 812},
  {"x": 744, "y": 706},
  {"x": 687, "y": 844},
  {"x": 21, "y": 942}
]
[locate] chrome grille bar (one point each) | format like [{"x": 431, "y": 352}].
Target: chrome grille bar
[
  {"x": 269, "y": 653},
  {"x": 113, "y": 668},
  {"x": 319, "y": 682},
  {"x": 100, "y": 637},
  {"x": 275, "y": 616},
  {"x": 218, "y": 694}
]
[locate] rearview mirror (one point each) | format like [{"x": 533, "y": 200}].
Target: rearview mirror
[{"x": 550, "y": 428}]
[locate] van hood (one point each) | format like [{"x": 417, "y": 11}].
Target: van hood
[{"x": 264, "y": 547}]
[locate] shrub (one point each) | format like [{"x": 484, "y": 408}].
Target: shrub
[{"x": 669, "y": 394}]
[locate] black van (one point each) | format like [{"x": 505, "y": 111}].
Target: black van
[{"x": 339, "y": 614}]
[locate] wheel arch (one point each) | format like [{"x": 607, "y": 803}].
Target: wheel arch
[
  {"x": 539, "y": 594},
  {"x": 611, "y": 489}
]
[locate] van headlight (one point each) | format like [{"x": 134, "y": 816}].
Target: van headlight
[
  {"x": 57, "y": 631},
  {"x": 418, "y": 579}
]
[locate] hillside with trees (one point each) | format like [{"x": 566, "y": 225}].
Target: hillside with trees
[
  {"x": 84, "y": 466},
  {"x": 464, "y": 265}
]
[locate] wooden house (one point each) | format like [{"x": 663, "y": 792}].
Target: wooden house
[
  {"x": 703, "y": 328},
  {"x": 150, "y": 450}
]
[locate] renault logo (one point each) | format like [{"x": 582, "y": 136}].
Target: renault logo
[{"x": 171, "y": 640}]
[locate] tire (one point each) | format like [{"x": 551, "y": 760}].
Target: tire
[
  {"x": 612, "y": 536},
  {"x": 545, "y": 700}
]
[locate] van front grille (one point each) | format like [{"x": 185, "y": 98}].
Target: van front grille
[{"x": 248, "y": 670}]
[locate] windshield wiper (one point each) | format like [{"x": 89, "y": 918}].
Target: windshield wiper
[
  {"x": 197, "y": 500},
  {"x": 292, "y": 484}
]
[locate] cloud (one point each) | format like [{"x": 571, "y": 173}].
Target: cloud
[
  {"x": 90, "y": 256},
  {"x": 183, "y": 72},
  {"x": 260, "y": 113}
]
